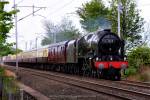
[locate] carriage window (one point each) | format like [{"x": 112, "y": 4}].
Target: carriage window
[
  {"x": 54, "y": 51},
  {"x": 62, "y": 50}
]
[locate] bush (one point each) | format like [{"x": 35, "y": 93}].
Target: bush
[
  {"x": 8, "y": 85},
  {"x": 1, "y": 71},
  {"x": 138, "y": 57},
  {"x": 131, "y": 71}
]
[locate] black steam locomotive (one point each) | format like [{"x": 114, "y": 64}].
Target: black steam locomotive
[{"x": 99, "y": 54}]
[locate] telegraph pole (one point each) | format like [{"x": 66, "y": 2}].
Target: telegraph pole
[
  {"x": 54, "y": 36},
  {"x": 30, "y": 44},
  {"x": 36, "y": 45},
  {"x": 26, "y": 44}
]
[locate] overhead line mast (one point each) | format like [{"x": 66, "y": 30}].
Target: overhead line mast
[
  {"x": 34, "y": 11},
  {"x": 16, "y": 27},
  {"x": 16, "y": 32}
]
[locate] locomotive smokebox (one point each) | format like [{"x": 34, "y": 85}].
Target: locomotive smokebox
[{"x": 99, "y": 42}]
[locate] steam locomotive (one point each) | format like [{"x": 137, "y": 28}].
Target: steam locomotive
[{"x": 99, "y": 54}]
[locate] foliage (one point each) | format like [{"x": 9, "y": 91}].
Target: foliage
[
  {"x": 131, "y": 22},
  {"x": 64, "y": 31},
  {"x": 137, "y": 58},
  {"x": 130, "y": 71},
  {"x": 8, "y": 85},
  {"x": 47, "y": 40},
  {"x": 6, "y": 48},
  {"x": 93, "y": 15},
  {"x": 6, "y": 25},
  {"x": 1, "y": 71}
]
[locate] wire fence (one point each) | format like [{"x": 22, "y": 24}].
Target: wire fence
[{"x": 18, "y": 95}]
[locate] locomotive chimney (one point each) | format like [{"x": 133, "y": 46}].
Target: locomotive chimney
[{"x": 107, "y": 30}]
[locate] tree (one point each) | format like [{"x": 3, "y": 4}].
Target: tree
[
  {"x": 94, "y": 12},
  {"x": 131, "y": 22},
  {"x": 50, "y": 29},
  {"x": 6, "y": 25},
  {"x": 93, "y": 15},
  {"x": 64, "y": 31},
  {"x": 6, "y": 49}
]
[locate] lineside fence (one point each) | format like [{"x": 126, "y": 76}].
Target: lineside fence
[{"x": 9, "y": 89}]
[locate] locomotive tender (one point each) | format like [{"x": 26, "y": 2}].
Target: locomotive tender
[{"x": 99, "y": 54}]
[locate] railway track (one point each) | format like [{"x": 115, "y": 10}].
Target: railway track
[
  {"x": 143, "y": 87},
  {"x": 133, "y": 83},
  {"x": 130, "y": 85},
  {"x": 121, "y": 90}
]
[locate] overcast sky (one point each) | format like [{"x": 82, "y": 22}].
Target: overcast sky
[{"x": 55, "y": 11}]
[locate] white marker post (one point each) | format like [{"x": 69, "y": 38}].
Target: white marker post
[{"x": 119, "y": 11}]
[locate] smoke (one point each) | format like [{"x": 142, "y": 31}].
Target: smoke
[{"x": 93, "y": 24}]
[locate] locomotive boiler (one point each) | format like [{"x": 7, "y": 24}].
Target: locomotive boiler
[{"x": 99, "y": 54}]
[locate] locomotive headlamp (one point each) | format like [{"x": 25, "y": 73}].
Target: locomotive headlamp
[
  {"x": 125, "y": 58},
  {"x": 90, "y": 58},
  {"x": 97, "y": 58},
  {"x": 111, "y": 58}
]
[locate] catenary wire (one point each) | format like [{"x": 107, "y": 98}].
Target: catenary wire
[{"x": 60, "y": 8}]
